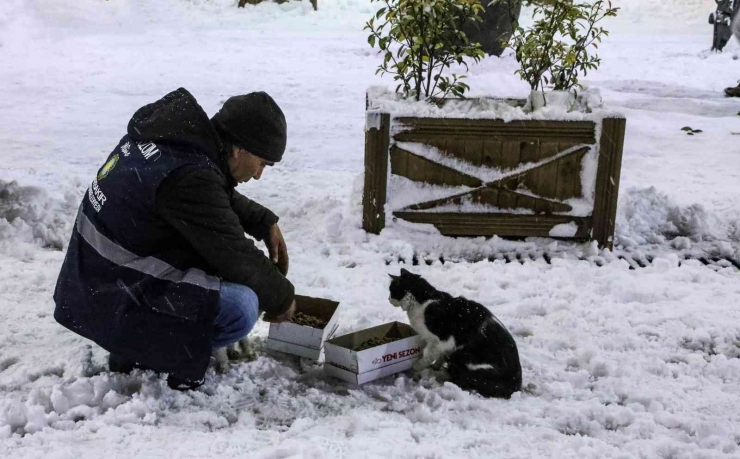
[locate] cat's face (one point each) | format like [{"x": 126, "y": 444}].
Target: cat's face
[{"x": 408, "y": 290}]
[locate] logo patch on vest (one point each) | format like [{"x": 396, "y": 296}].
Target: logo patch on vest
[
  {"x": 149, "y": 150},
  {"x": 126, "y": 149},
  {"x": 107, "y": 167}
]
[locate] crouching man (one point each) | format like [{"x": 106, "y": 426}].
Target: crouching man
[{"x": 159, "y": 271}]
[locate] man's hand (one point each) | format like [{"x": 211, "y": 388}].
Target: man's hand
[
  {"x": 277, "y": 249},
  {"x": 287, "y": 315}
]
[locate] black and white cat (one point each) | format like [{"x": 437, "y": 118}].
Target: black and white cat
[{"x": 479, "y": 352}]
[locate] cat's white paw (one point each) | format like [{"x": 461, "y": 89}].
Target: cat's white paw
[
  {"x": 242, "y": 350},
  {"x": 233, "y": 351},
  {"x": 220, "y": 360},
  {"x": 438, "y": 364}
]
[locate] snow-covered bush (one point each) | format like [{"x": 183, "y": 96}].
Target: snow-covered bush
[{"x": 420, "y": 39}]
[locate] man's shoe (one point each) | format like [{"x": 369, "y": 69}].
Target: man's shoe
[
  {"x": 119, "y": 364},
  {"x": 183, "y": 384},
  {"x": 733, "y": 92}
]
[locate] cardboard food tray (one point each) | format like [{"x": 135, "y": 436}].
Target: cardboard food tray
[
  {"x": 359, "y": 367},
  {"x": 303, "y": 340}
]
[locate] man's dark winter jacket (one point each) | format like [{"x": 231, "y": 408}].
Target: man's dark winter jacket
[{"x": 158, "y": 230}]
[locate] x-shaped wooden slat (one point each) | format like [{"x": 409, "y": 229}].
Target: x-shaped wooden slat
[{"x": 502, "y": 192}]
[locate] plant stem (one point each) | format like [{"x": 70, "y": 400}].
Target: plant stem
[
  {"x": 579, "y": 48},
  {"x": 551, "y": 29}
]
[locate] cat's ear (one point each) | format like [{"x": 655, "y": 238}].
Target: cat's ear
[
  {"x": 392, "y": 276},
  {"x": 404, "y": 272}
]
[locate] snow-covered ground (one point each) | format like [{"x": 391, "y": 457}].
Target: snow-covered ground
[{"x": 617, "y": 362}]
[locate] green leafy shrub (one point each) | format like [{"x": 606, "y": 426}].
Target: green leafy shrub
[
  {"x": 420, "y": 39},
  {"x": 556, "y": 49}
]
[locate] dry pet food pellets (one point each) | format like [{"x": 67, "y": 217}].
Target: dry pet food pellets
[
  {"x": 310, "y": 321},
  {"x": 375, "y": 342}
]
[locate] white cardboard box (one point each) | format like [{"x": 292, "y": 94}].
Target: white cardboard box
[
  {"x": 359, "y": 367},
  {"x": 302, "y": 340}
]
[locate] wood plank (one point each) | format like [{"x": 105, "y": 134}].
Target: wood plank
[
  {"x": 496, "y": 197},
  {"x": 525, "y": 202},
  {"x": 513, "y": 180},
  {"x": 416, "y": 168},
  {"x": 569, "y": 172},
  {"x": 510, "y": 154},
  {"x": 419, "y": 169},
  {"x": 530, "y": 154},
  {"x": 416, "y": 129},
  {"x": 455, "y": 199},
  {"x": 608, "y": 173},
  {"x": 507, "y": 199},
  {"x": 451, "y": 178},
  {"x": 512, "y": 183},
  {"x": 496, "y": 224},
  {"x": 440, "y": 144},
  {"x": 399, "y": 161},
  {"x": 377, "y": 141},
  {"x": 474, "y": 151},
  {"x": 492, "y": 153},
  {"x": 547, "y": 177},
  {"x": 530, "y": 180},
  {"x": 540, "y": 204},
  {"x": 488, "y": 196},
  {"x": 434, "y": 173},
  {"x": 566, "y": 144},
  {"x": 549, "y": 149},
  {"x": 574, "y": 166},
  {"x": 577, "y": 186},
  {"x": 428, "y": 138},
  {"x": 550, "y": 207},
  {"x": 455, "y": 148}
]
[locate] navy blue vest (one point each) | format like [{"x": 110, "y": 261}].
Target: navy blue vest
[{"x": 130, "y": 282}]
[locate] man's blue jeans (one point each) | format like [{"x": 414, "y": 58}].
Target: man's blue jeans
[{"x": 239, "y": 312}]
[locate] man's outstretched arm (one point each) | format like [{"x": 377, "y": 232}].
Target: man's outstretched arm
[
  {"x": 197, "y": 206},
  {"x": 259, "y": 222}
]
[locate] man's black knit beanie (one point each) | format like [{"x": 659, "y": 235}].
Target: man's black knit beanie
[{"x": 255, "y": 123}]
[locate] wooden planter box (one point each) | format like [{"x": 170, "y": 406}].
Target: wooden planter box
[{"x": 519, "y": 178}]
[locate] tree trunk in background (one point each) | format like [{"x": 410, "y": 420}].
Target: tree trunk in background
[{"x": 496, "y": 27}]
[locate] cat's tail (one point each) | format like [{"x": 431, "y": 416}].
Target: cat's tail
[
  {"x": 486, "y": 382},
  {"x": 472, "y": 371}
]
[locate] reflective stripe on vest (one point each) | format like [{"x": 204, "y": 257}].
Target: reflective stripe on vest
[{"x": 147, "y": 265}]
